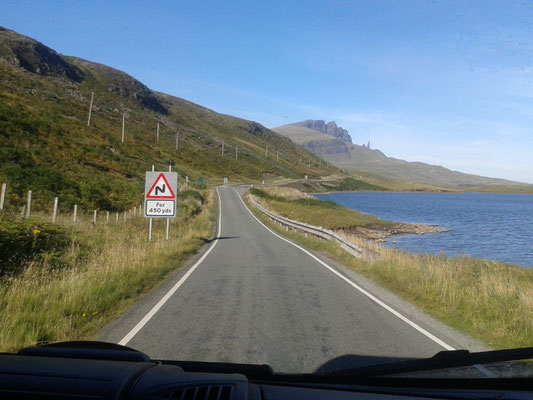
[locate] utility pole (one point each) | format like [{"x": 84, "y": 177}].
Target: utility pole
[
  {"x": 266, "y": 151},
  {"x": 222, "y": 148},
  {"x": 123, "y": 117},
  {"x": 90, "y": 109},
  {"x": 177, "y": 140},
  {"x": 236, "y": 151},
  {"x": 277, "y": 156},
  {"x": 157, "y": 134}
]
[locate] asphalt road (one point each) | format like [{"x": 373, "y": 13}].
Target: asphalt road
[{"x": 256, "y": 298}]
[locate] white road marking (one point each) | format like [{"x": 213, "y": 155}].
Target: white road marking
[
  {"x": 440, "y": 342},
  {"x": 359, "y": 288},
  {"x": 125, "y": 340},
  {"x": 167, "y": 296}
]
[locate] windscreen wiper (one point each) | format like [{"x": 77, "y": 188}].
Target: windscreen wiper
[{"x": 441, "y": 360}]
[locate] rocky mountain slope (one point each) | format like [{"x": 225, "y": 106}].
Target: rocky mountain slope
[{"x": 47, "y": 146}]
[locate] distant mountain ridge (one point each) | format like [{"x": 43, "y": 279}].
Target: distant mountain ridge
[{"x": 334, "y": 144}]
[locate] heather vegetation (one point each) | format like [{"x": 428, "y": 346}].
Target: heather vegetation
[{"x": 47, "y": 147}]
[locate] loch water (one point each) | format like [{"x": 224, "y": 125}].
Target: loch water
[{"x": 486, "y": 225}]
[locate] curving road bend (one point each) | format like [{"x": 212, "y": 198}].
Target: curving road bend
[{"x": 255, "y": 298}]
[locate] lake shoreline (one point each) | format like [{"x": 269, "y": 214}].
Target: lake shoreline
[
  {"x": 486, "y": 225},
  {"x": 380, "y": 233}
]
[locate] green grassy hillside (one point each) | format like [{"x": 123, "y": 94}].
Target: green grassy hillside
[{"x": 46, "y": 145}]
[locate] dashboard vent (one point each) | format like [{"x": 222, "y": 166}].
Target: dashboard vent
[{"x": 211, "y": 392}]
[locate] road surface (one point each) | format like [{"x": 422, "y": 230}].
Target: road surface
[{"x": 256, "y": 298}]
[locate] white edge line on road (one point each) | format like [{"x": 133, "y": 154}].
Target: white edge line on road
[
  {"x": 167, "y": 296},
  {"x": 363, "y": 291}
]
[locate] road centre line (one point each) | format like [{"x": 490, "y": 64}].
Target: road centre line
[
  {"x": 125, "y": 340},
  {"x": 360, "y": 289}
]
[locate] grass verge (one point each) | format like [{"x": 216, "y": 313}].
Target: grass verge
[
  {"x": 307, "y": 209},
  {"x": 46, "y": 303},
  {"x": 488, "y": 300}
]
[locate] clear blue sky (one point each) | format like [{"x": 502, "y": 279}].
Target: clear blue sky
[{"x": 444, "y": 82}]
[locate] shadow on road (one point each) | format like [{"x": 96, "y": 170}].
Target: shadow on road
[{"x": 219, "y": 238}]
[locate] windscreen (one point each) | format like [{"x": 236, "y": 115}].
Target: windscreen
[{"x": 317, "y": 186}]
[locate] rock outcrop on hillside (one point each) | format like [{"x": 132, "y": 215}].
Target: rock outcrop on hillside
[
  {"x": 330, "y": 129},
  {"x": 27, "y": 53}
]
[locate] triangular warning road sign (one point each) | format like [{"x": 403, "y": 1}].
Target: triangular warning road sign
[{"x": 160, "y": 189}]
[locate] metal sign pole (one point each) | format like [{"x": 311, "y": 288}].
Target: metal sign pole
[
  {"x": 168, "y": 219},
  {"x": 150, "y": 229}
]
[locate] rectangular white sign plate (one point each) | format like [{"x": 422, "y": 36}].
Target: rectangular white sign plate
[{"x": 160, "y": 208}]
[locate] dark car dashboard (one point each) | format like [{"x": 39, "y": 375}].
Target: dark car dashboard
[{"x": 107, "y": 371}]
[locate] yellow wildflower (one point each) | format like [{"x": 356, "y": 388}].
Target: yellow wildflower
[{"x": 36, "y": 231}]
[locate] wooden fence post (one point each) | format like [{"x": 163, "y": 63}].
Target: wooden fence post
[
  {"x": 28, "y": 205},
  {"x": 2, "y": 196},
  {"x": 54, "y": 215}
]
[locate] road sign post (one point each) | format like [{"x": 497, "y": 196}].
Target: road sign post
[{"x": 160, "y": 196}]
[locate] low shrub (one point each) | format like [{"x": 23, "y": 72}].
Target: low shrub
[{"x": 24, "y": 240}]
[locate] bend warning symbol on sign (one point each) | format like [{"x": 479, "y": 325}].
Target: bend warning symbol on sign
[{"x": 160, "y": 189}]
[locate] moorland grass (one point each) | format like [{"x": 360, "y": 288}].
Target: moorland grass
[
  {"x": 47, "y": 304},
  {"x": 313, "y": 211}
]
